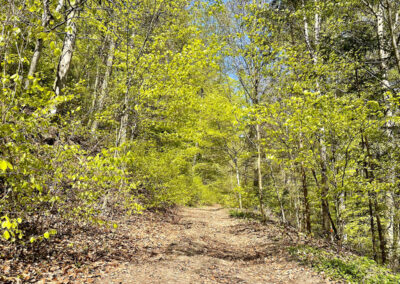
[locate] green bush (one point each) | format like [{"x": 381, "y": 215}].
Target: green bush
[
  {"x": 354, "y": 269},
  {"x": 240, "y": 214}
]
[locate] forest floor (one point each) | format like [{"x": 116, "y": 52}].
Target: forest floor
[
  {"x": 206, "y": 245},
  {"x": 182, "y": 245}
]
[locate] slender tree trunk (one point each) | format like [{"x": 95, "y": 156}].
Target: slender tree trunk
[
  {"x": 304, "y": 187},
  {"x": 46, "y": 16},
  {"x": 67, "y": 50},
  {"x": 259, "y": 172},
  {"x": 307, "y": 35},
  {"x": 341, "y": 207},
  {"x": 317, "y": 31},
  {"x": 278, "y": 196},
  {"x": 123, "y": 130},
  {"x": 392, "y": 198},
  {"x": 104, "y": 86},
  {"x": 324, "y": 192},
  {"x": 372, "y": 224},
  {"x": 396, "y": 224},
  {"x": 238, "y": 182},
  {"x": 60, "y": 5},
  {"x": 296, "y": 206},
  {"x": 324, "y": 167},
  {"x": 326, "y": 211},
  {"x": 95, "y": 95},
  {"x": 370, "y": 199},
  {"x": 324, "y": 178},
  {"x": 384, "y": 55},
  {"x": 381, "y": 233},
  {"x": 307, "y": 215},
  {"x": 392, "y": 33},
  {"x": 374, "y": 197}
]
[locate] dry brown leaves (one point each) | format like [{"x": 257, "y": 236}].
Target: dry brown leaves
[{"x": 82, "y": 254}]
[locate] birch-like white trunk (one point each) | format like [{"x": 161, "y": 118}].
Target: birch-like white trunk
[
  {"x": 392, "y": 23},
  {"x": 383, "y": 56},
  {"x": 46, "y": 16},
  {"x": 67, "y": 50}
]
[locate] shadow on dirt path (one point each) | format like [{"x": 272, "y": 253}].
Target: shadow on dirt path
[{"x": 205, "y": 245}]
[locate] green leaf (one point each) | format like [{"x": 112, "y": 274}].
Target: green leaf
[
  {"x": 6, "y": 224},
  {"x": 6, "y": 235},
  {"x": 4, "y": 165},
  {"x": 57, "y": 52},
  {"x": 16, "y": 30},
  {"x": 52, "y": 45}
]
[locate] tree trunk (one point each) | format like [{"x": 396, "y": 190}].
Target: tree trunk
[
  {"x": 392, "y": 198},
  {"x": 381, "y": 233},
  {"x": 67, "y": 50},
  {"x": 384, "y": 55},
  {"x": 324, "y": 168},
  {"x": 95, "y": 95},
  {"x": 307, "y": 216},
  {"x": 238, "y": 182},
  {"x": 278, "y": 196},
  {"x": 259, "y": 173},
  {"x": 392, "y": 34},
  {"x": 123, "y": 130},
  {"x": 324, "y": 178},
  {"x": 324, "y": 193},
  {"x": 395, "y": 244},
  {"x": 370, "y": 177},
  {"x": 372, "y": 224},
  {"x": 341, "y": 207},
  {"x": 307, "y": 35},
  {"x": 46, "y": 16},
  {"x": 304, "y": 187},
  {"x": 104, "y": 86}
]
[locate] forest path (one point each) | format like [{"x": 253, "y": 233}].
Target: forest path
[{"x": 205, "y": 245}]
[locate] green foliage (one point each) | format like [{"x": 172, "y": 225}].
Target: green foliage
[
  {"x": 128, "y": 131},
  {"x": 354, "y": 269},
  {"x": 240, "y": 214},
  {"x": 10, "y": 229},
  {"x": 173, "y": 102}
]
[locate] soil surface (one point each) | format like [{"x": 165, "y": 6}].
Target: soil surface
[{"x": 206, "y": 245}]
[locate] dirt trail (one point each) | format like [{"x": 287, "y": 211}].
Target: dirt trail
[{"x": 205, "y": 245}]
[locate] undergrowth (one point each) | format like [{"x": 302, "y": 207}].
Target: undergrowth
[
  {"x": 353, "y": 269},
  {"x": 239, "y": 214}
]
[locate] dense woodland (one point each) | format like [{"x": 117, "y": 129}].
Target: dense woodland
[{"x": 289, "y": 107}]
